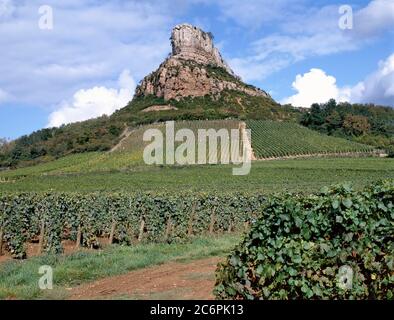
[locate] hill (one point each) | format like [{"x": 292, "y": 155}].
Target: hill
[
  {"x": 193, "y": 83},
  {"x": 270, "y": 140}
]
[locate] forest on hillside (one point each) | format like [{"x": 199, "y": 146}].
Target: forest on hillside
[{"x": 364, "y": 123}]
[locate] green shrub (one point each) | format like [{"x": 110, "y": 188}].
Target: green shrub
[{"x": 299, "y": 247}]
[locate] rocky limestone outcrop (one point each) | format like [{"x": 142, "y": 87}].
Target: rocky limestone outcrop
[
  {"x": 195, "y": 68},
  {"x": 191, "y": 43}
]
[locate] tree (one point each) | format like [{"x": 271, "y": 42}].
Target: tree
[
  {"x": 5, "y": 146},
  {"x": 333, "y": 122},
  {"x": 314, "y": 118},
  {"x": 3, "y": 141},
  {"x": 356, "y": 125}
]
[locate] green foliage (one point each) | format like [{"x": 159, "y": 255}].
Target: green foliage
[
  {"x": 49, "y": 144},
  {"x": 298, "y": 245},
  {"x": 362, "y": 122},
  {"x": 230, "y": 104},
  {"x": 166, "y": 218},
  {"x": 281, "y": 139}
]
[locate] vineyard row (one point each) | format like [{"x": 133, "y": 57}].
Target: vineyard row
[{"x": 122, "y": 218}]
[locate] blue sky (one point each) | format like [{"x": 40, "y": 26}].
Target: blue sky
[{"x": 90, "y": 60}]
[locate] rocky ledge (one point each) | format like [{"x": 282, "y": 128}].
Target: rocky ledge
[{"x": 195, "y": 68}]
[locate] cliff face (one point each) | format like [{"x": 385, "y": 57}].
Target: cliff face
[
  {"x": 195, "y": 68},
  {"x": 191, "y": 43}
]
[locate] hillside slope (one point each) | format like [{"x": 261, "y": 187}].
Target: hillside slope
[
  {"x": 193, "y": 83},
  {"x": 283, "y": 139},
  {"x": 365, "y": 123},
  {"x": 270, "y": 140}
]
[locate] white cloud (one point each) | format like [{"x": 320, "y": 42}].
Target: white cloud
[
  {"x": 94, "y": 102},
  {"x": 376, "y": 17},
  {"x": 91, "y": 43},
  {"x": 377, "y": 87},
  {"x": 311, "y": 32},
  {"x": 6, "y": 9},
  {"x": 4, "y": 96},
  {"x": 315, "y": 86},
  {"x": 251, "y": 68}
]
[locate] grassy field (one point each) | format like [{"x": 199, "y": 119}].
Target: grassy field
[
  {"x": 19, "y": 279},
  {"x": 301, "y": 175}
]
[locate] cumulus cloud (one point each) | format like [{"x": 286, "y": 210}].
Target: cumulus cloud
[
  {"x": 377, "y": 87},
  {"x": 94, "y": 102},
  {"x": 315, "y": 86}
]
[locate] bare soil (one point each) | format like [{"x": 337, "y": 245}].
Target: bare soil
[
  {"x": 159, "y": 108},
  {"x": 173, "y": 281}
]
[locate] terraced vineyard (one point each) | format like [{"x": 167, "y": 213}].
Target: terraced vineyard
[
  {"x": 133, "y": 141},
  {"x": 284, "y": 139}
]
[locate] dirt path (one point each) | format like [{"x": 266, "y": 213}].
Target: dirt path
[
  {"x": 124, "y": 135},
  {"x": 174, "y": 280}
]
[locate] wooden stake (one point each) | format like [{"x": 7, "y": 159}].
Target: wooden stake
[
  {"x": 142, "y": 227},
  {"x": 42, "y": 237},
  {"x": 130, "y": 233},
  {"x": 1, "y": 241},
  {"x": 212, "y": 224},
  {"x": 111, "y": 235},
  {"x": 168, "y": 229},
  {"x": 230, "y": 227},
  {"x": 191, "y": 220},
  {"x": 79, "y": 237}
]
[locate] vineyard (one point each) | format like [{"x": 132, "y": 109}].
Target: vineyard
[
  {"x": 269, "y": 140},
  {"x": 133, "y": 141},
  {"x": 92, "y": 172},
  {"x": 122, "y": 218},
  {"x": 283, "y": 139},
  {"x": 337, "y": 244}
]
